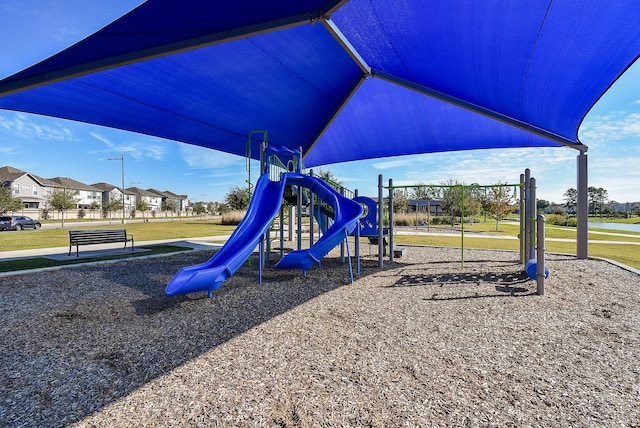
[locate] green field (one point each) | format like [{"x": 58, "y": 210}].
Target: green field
[
  {"x": 626, "y": 249},
  {"x": 150, "y": 231}
]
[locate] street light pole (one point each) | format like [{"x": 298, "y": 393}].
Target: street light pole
[{"x": 121, "y": 158}]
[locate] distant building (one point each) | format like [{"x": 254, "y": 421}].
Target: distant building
[
  {"x": 34, "y": 192},
  {"x": 30, "y": 188},
  {"x": 152, "y": 200},
  {"x": 421, "y": 205},
  {"x": 86, "y": 195}
]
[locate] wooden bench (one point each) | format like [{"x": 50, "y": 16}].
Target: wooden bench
[{"x": 90, "y": 237}]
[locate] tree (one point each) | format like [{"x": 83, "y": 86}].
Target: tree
[
  {"x": 329, "y": 177},
  {"x": 93, "y": 207},
  {"x": 237, "y": 198},
  {"x": 571, "y": 199},
  {"x": 8, "y": 203},
  {"x": 500, "y": 203},
  {"x": 200, "y": 208},
  {"x": 400, "y": 201},
  {"x": 541, "y": 204},
  {"x": 113, "y": 206},
  {"x": 597, "y": 198},
  {"x": 451, "y": 200},
  {"x": 169, "y": 205},
  {"x": 141, "y": 205},
  {"x": 62, "y": 199}
]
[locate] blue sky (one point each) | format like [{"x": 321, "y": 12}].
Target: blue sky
[{"x": 31, "y": 30}]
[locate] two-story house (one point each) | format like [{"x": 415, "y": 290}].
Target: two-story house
[
  {"x": 28, "y": 187},
  {"x": 110, "y": 193},
  {"x": 152, "y": 200},
  {"x": 86, "y": 196}
]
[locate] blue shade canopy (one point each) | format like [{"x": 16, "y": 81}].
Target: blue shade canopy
[{"x": 344, "y": 80}]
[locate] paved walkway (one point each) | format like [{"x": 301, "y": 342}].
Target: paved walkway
[{"x": 99, "y": 250}]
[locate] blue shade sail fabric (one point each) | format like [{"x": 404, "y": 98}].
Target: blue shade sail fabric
[{"x": 343, "y": 80}]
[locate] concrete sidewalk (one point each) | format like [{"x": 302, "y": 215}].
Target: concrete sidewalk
[{"x": 101, "y": 250}]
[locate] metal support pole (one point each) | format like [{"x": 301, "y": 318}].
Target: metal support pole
[
  {"x": 527, "y": 223},
  {"x": 327, "y": 227},
  {"x": 533, "y": 208},
  {"x": 391, "y": 220},
  {"x": 523, "y": 217},
  {"x": 540, "y": 262},
  {"x": 268, "y": 245},
  {"x": 357, "y": 250},
  {"x": 281, "y": 231},
  {"x": 380, "y": 221},
  {"x": 260, "y": 259},
  {"x": 290, "y": 223},
  {"x": 462, "y": 229},
  {"x": 312, "y": 208},
  {"x": 346, "y": 240},
  {"x": 299, "y": 217},
  {"x": 358, "y": 247},
  {"x": 582, "y": 211}
]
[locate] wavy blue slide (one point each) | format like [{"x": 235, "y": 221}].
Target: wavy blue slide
[
  {"x": 263, "y": 208},
  {"x": 210, "y": 275},
  {"x": 347, "y": 214}
]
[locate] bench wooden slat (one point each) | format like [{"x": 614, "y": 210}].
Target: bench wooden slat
[{"x": 106, "y": 236}]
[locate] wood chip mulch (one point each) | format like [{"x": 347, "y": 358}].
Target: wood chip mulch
[{"x": 421, "y": 342}]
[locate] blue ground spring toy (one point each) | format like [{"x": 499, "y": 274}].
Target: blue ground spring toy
[{"x": 531, "y": 267}]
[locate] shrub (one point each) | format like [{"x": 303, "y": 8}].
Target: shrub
[
  {"x": 560, "y": 220},
  {"x": 233, "y": 218}
]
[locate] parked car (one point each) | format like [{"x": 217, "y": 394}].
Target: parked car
[{"x": 16, "y": 222}]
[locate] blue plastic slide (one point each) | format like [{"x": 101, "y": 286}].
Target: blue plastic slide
[
  {"x": 263, "y": 208},
  {"x": 347, "y": 213},
  {"x": 210, "y": 275}
]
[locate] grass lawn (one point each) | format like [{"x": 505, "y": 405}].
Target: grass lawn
[
  {"x": 628, "y": 254},
  {"x": 42, "y": 262},
  {"x": 151, "y": 231}
]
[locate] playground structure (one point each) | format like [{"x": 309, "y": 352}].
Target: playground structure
[
  {"x": 281, "y": 168},
  {"x": 282, "y": 182},
  {"x": 532, "y": 226}
]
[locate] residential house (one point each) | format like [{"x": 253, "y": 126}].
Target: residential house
[
  {"x": 170, "y": 201},
  {"x": 421, "y": 205},
  {"x": 182, "y": 200},
  {"x": 153, "y": 200},
  {"x": 28, "y": 187},
  {"x": 110, "y": 193},
  {"x": 87, "y": 196}
]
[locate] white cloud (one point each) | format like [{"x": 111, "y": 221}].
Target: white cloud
[
  {"x": 8, "y": 150},
  {"x": 614, "y": 127},
  {"x": 148, "y": 149},
  {"x": 27, "y": 127},
  {"x": 203, "y": 158},
  {"x": 396, "y": 163}
]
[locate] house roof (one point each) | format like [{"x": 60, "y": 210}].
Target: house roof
[
  {"x": 9, "y": 174},
  {"x": 140, "y": 192},
  {"x": 70, "y": 183},
  {"x": 105, "y": 187}
]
